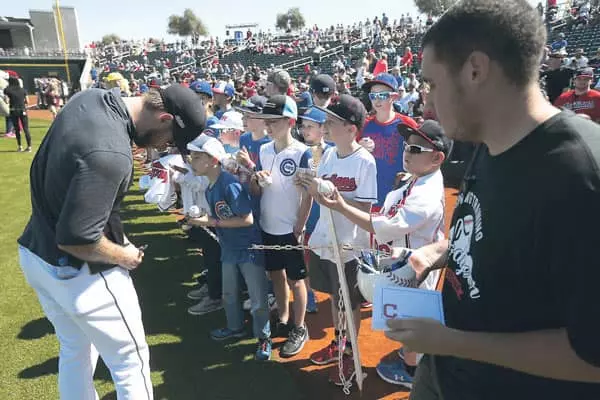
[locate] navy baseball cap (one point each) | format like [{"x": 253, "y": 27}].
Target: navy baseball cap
[
  {"x": 431, "y": 131},
  {"x": 253, "y": 105},
  {"x": 279, "y": 106},
  {"x": 224, "y": 88},
  {"x": 323, "y": 84},
  {"x": 189, "y": 116},
  {"x": 202, "y": 87},
  {"x": 314, "y": 114},
  {"x": 382, "y": 79},
  {"x": 349, "y": 109}
]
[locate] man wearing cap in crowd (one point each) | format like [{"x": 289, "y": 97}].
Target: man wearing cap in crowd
[
  {"x": 322, "y": 88},
  {"x": 74, "y": 251},
  {"x": 304, "y": 100},
  {"x": 582, "y": 99},
  {"x": 223, "y": 96},
  {"x": 278, "y": 82},
  {"x": 558, "y": 77},
  {"x": 204, "y": 91}
]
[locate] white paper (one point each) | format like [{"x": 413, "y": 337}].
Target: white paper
[{"x": 398, "y": 302}]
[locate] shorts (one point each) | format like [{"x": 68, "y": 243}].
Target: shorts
[
  {"x": 324, "y": 278},
  {"x": 290, "y": 260}
]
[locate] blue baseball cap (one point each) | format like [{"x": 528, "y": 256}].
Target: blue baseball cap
[
  {"x": 202, "y": 87},
  {"x": 224, "y": 88},
  {"x": 382, "y": 79},
  {"x": 279, "y": 106},
  {"x": 212, "y": 121},
  {"x": 315, "y": 115}
]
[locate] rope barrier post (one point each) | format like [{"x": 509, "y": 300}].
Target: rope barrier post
[{"x": 347, "y": 305}]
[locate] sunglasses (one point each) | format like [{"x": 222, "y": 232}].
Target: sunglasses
[
  {"x": 416, "y": 149},
  {"x": 380, "y": 96}
]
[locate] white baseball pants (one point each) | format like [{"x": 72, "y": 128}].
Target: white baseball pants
[{"x": 93, "y": 315}]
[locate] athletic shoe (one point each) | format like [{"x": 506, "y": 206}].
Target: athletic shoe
[
  {"x": 10, "y": 135},
  {"x": 311, "y": 304},
  {"x": 401, "y": 353},
  {"x": 198, "y": 294},
  {"x": 28, "y": 149},
  {"x": 347, "y": 371},
  {"x": 279, "y": 329},
  {"x": 263, "y": 351},
  {"x": 395, "y": 373},
  {"x": 206, "y": 305},
  {"x": 20, "y": 149},
  {"x": 226, "y": 333},
  {"x": 326, "y": 355},
  {"x": 295, "y": 342}
]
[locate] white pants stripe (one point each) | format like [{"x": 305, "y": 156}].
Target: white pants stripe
[{"x": 93, "y": 314}]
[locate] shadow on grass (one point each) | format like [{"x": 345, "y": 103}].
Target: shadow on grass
[{"x": 36, "y": 329}]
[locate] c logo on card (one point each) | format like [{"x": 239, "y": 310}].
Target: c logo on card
[
  {"x": 222, "y": 210},
  {"x": 288, "y": 167},
  {"x": 389, "y": 310}
]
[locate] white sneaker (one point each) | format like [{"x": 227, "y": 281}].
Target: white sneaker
[
  {"x": 198, "y": 294},
  {"x": 206, "y": 305},
  {"x": 270, "y": 299}
]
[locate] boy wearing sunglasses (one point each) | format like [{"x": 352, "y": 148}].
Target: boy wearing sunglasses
[
  {"x": 412, "y": 216},
  {"x": 381, "y": 128}
]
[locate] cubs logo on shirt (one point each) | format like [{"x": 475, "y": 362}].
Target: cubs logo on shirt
[
  {"x": 223, "y": 210},
  {"x": 288, "y": 167}
]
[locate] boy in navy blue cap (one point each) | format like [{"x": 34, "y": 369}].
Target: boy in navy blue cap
[
  {"x": 322, "y": 88},
  {"x": 204, "y": 91},
  {"x": 236, "y": 229}
]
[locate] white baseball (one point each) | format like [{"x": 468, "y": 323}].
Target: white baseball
[
  {"x": 404, "y": 276},
  {"x": 194, "y": 212},
  {"x": 265, "y": 181},
  {"x": 325, "y": 187}
]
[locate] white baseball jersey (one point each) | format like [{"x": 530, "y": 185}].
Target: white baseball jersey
[
  {"x": 412, "y": 217},
  {"x": 281, "y": 200},
  {"x": 355, "y": 177}
]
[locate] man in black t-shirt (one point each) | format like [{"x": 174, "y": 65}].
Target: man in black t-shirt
[
  {"x": 520, "y": 296},
  {"x": 558, "y": 78},
  {"x": 74, "y": 251},
  {"x": 16, "y": 97}
]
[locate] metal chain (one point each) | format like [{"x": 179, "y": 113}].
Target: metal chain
[
  {"x": 348, "y": 247},
  {"x": 341, "y": 326}
]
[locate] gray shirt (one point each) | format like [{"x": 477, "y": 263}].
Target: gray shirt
[{"x": 79, "y": 176}]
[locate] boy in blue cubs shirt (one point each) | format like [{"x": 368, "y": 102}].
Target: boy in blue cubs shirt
[
  {"x": 232, "y": 218},
  {"x": 313, "y": 131}
]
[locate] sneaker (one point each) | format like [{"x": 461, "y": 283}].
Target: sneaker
[
  {"x": 247, "y": 306},
  {"x": 263, "y": 351},
  {"x": 226, "y": 333},
  {"x": 395, "y": 373},
  {"x": 280, "y": 329},
  {"x": 20, "y": 149},
  {"x": 295, "y": 342},
  {"x": 10, "y": 135},
  {"x": 311, "y": 304},
  {"x": 401, "y": 353},
  {"x": 198, "y": 294},
  {"x": 272, "y": 302},
  {"x": 326, "y": 355},
  {"x": 366, "y": 304},
  {"x": 206, "y": 305},
  {"x": 28, "y": 149},
  {"x": 347, "y": 371}
]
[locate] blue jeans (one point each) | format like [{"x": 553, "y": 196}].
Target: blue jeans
[{"x": 256, "y": 280}]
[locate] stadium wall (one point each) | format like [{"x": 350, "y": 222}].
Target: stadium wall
[{"x": 37, "y": 67}]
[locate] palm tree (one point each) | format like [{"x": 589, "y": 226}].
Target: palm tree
[
  {"x": 295, "y": 18},
  {"x": 187, "y": 25}
]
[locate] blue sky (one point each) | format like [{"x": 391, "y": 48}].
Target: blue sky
[{"x": 145, "y": 18}]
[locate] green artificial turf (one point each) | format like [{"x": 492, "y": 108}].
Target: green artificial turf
[{"x": 185, "y": 363}]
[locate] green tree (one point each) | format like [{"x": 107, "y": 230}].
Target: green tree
[
  {"x": 110, "y": 38},
  {"x": 187, "y": 25},
  {"x": 434, "y": 7},
  {"x": 294, "y": 16}
]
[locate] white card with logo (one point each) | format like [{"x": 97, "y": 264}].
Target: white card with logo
[{"x": 397, "y": 302}]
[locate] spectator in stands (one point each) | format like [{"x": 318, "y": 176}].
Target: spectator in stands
[
  {"x": 412, "y": 81},
  {"x": 322, "y": 88},
  {"x": 399, "y": 78},
  {"x": 381, "y": 66},
  {"x": 249, "y": 87},
  {"x": 580, "y": 60},
  {"x": 558, "y": 77},
  {"x": 582, "y": 99},
  {"x": 304, "y": 99},
  {"x": 278, "y": 82},
  {"x": 407, "y": 59},
  {"x": 222, "y": 96}
]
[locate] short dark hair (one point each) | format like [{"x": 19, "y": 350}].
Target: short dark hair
[{"x": 510, "y": 32}]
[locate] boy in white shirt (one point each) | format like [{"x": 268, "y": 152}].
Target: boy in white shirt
[
  {"x": 283, "y": 213},
  {"x": 412, "y": 217},
  {"x": 352, "y": 170}
]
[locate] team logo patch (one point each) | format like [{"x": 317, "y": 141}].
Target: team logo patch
[
  {"x": 223, "y": 210},
  {"x": 288, "y": 167}
]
